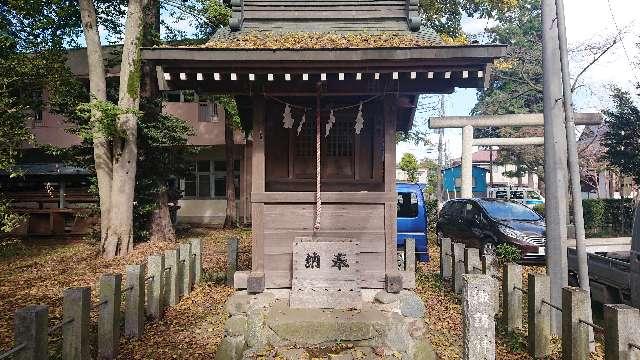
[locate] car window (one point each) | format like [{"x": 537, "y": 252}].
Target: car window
[
  {"x": 501, "y": 194},
  {"x": 518, "y": 195},
  {"x": 533, "y": 195},
  {"x": 502, "y": 210},
  {"x": 407, "y": 205}
]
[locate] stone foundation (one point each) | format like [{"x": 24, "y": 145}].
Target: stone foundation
[{"x": 388, "y": 326}]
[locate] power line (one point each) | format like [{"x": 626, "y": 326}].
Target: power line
[{"x": 624, "y": 48}]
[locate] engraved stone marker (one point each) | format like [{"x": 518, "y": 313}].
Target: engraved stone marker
[{"x": 325, "y": 275}]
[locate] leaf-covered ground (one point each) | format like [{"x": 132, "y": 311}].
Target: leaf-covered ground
[
  {"x": 194, "y": 328},
  {"x": 444, "y": 318}
]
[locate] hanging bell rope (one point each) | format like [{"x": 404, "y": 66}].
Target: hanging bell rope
[{"x": 316, "y": 226}]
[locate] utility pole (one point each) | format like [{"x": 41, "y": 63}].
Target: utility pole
[
  {"x": 555, "y": 162},
  {"x": 439, "y": 190},
  {"x": 574, "y": 167}
]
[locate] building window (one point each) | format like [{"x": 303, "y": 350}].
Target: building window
[
  {"x": 340, "y": 139},
  {"x": 206, "y": 182},
  {"x": 208, "y": 112}
]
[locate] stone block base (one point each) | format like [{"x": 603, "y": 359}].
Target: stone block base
[{"x": 387, "y": 325}]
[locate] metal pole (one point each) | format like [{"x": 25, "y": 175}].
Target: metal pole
[
  {"x": 574, "y": 166},
  {"x": 555, "y": 161},
  {"x": 466, "y": 191},
  {"x": 439, "y": 190}
]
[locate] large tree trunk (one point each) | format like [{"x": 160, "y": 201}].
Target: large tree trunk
[
  {"x": 120, "y": 233},
  {"x": 230, "y": 215},
  {"x": 98, "y": 89},
  {"x": 161, "y": 226}
]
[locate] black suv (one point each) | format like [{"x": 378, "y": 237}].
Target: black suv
[{"x": 486, "y": 223}]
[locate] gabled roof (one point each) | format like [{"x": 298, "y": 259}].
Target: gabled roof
[{"x": 325, "y": 15}]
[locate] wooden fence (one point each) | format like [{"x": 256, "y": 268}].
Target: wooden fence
[
  {"x": 148, "y": 290},
  {"x": 620, "y": 328}
]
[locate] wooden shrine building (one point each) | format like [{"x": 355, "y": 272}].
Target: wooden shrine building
[{"x": 357, "y": 67}]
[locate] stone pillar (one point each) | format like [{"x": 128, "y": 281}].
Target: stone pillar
[
  {"x": 489, "y": 268},
  {"x": 196, "y": 251},
  {"x": 155, "y": 301},
  {"x": 232, "y": 259},
  {"x": 575, "y": 334},
  {"x": 187, "y": 264},
  {"x": 621, "y": 329},
  {"x": 539, "y": 316},
  {"x": 76, "y": 304},
  {"x": 172, "y": 287},
  {"x": 109, "y": 316},
  {"x": 410, "y": 255},
  {"x": 458, "y": 266},
  {"x": 134, "y": 303},
  {"x": 466, "y": 188},
  {"x": 445, "y": 259},
  {"x": 31, "y": 331},
  {"x": 478, "y": 329},
  {"x": 472, "y": 263},
  {"x": 511, "y": 296}
]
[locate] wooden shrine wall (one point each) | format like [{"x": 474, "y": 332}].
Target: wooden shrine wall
[
  {"x": 360, "y": 222},
  {"x": 350, "y": 162}
]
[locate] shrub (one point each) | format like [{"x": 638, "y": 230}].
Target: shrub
[
  {"x": 507, "y": 253},
  {"x": 603, "y": 216},
  {"x": 432, "y": 213},
  {"x": 539, "y": 208},
  {"x": 593, "y": 211}
]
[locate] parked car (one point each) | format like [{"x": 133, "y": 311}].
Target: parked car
[
  {"x": 523, "y": 195},
  {"x": 412, "y": 218},
  {"x": 487, "y": 223}
]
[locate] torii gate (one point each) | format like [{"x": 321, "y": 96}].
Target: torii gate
[{"x": 467, "y": 123}]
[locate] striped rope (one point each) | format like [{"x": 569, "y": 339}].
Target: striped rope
[{"x": 316, "y": 226}]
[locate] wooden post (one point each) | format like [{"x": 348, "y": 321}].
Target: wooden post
[
  {"x": 256, "y": 280},
  {"x": 393, "y": 278},
  {"x": 575, "y": 333},
  {"x": 76, "y": 305},
  {"x": 172, "y": 287},
  {"x": 232, "y": 259},
  {"x": 512, "y": 296},
  {"x": 196, "y": 252},
  {"x": 458, "y": 266},
  {"x": 445, "y": 259},
  {"x": 109, "y": 316},
  {"x": 134, "y": 305},
  {"x": 472, "y": 263},
  {"x": 621, "y": 330},
  {"x": 155, "y": 301},
  {"x": 186, "y": 262},
  {"x": 31, "y": 332},
  {"x": 539, "y": 316}
]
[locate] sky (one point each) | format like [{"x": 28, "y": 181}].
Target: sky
[{"x": 586, "y": 21}]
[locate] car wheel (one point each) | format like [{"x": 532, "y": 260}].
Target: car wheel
[{"x": 489, "y": 248}]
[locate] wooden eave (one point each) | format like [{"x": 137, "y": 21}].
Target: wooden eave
[{"x": 361, "y": 72}]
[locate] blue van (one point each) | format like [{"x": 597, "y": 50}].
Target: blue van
[{"x": 412, "y": 218}]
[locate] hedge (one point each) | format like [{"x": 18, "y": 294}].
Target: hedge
[{"x": 605, "y": 216}]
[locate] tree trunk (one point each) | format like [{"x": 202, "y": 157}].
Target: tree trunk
[
  {"x": 161, "y": 226},
  {"x": 98, "y": 90},
  {"x": 230, "y": 216},
  {"x": 120, "y": 233}
]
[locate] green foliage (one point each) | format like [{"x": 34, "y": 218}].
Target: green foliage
[
  {"x": 444, "y": 16},
  {"x": 605, "y": 217},
  {"x": 432, "y": 214},
  {"x": 621, "y": 139},
  {"x": 539, "y": 208},
  {"x": 104, "y": 123},
  {"x": 409, "y": 164},
  {"x": 11, "y": 247},
  {"x": 162, "y": 154},
  {"x": 9, "y": 220},
  {"x": 507, "y": 253},
  {"x": 215, "y": 12},
  {"x": 230, "y": 109}
]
